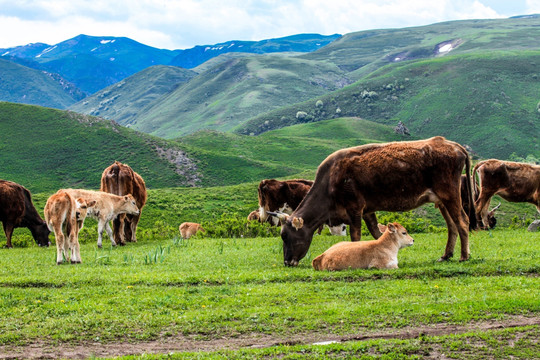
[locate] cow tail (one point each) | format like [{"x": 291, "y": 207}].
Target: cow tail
[{"x": 473, "y": 224}]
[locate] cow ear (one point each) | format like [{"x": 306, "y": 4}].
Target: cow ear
[
  {"x": 391, "y": 228},
  {"x": 91, "y": 203},
  {"x": 80, "y": 203},
  {"x": 126, "y": 197},
  {"x": 382, "y": 228},
  {"x": 297, "y": 223}
]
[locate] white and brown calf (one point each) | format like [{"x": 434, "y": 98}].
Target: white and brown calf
[
  {"x": 65, "y": 213},
  {"x": 380, "y": 253},
  {"x": 108, "y": 207}
]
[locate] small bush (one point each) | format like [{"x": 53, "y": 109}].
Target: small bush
[{"x": 235, "y": 226}]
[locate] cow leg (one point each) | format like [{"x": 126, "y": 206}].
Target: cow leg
[
  {"x": 356, "y": 224},
  {"x": 452, "y": 234},
  {"x": 75, "y": 251},
  {"x": 482, "y": 207},
  {"x": 118, "y": 229},
  {"x": 109, "y": 233},
  {"x": 461, "y": 221},
  {"x": 371, "y": 223},
  {"x": 133, "y": 227},
  {"x": 60, "y": 243},
  {"x": 8, "y": 230}
]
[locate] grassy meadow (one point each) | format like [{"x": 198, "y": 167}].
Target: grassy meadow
[{"x": 166, "y": 289}]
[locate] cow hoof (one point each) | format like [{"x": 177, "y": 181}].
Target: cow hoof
[
  {"x": 464, "y": 259},
  {"x": 122, "y": 243},
  {"x": 100, "y": 246},
  {"x": 444, "y": 258}
]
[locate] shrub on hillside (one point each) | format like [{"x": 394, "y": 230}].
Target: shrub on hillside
[{"x": 235, "y": 225}]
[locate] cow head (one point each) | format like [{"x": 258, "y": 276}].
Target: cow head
[
  {"x": 82, "y": 206},
  {"x": 492, "y": 221},
  {"x": 296, "y": 240},
  {"x": 130, "y": 205},
  {"x": 40, "y": 233}
]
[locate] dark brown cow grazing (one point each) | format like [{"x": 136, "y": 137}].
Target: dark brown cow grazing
[
  {"x": 466, "y": 205},
  {"x": 120, "y": 179},
  {"x": 277, "y": 196},
  {"x": 280, "y": 196},
  {"x": 17, "y": 210},
  {"x": 513, "y": 181},
  {"x": 396, "y": 176}
]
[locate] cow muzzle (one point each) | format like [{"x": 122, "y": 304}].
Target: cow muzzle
[{"x": 291, "y": 263}]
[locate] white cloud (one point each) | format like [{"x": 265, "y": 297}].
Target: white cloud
[{"x": 185, "y": 23}]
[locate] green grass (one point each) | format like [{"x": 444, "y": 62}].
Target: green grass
[{"x": 213, "y": 288}]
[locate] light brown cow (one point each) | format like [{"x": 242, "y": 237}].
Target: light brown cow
[
  {"x": 120, "y": 179},
  {"x": 400, "y": 176},
  {"x": 108, "y": 207},
  {"x": 65, "y": 213},
  {"x": 513, "y": 181},
  {"x": 380, "y": 253},
  {"x": 188, "y": 229}
]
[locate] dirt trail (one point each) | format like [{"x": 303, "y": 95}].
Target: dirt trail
[{"x": 186, "y": 344}]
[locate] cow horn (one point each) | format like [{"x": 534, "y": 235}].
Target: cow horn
[
  {"x": 280, "y": 215},
  {"x": 493, "y": 210}
]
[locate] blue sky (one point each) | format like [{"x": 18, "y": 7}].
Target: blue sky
[{"x": 181, "y": 24}]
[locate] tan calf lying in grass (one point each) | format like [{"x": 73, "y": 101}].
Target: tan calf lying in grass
[
  {"x": 188, "y": 229},
  {"x": 380, "y": 253},
  {"x": 65, "y": 213}
]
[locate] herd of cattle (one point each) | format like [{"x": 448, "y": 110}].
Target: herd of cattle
[{"x": 350, "y": 186}]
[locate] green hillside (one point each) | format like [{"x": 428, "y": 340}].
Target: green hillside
[
  {"x": 234, "y": 91},
  {"x": 22, "y": 84},
  {"x": 46, "y": 149},
  {"x": 488, "y": 101},
  {"x": 360, "y": 53},
  {"x": 122, "y": 101}
]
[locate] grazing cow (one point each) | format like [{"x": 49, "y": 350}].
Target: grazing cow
[
  {"x": 107, "y": 207},
  {"x": 466, "y": 205},
  {"x": 65, "y": 213},
  {"x": 17, "y": 210},
  {"x": 380, "y": 253},
  {"x": 188, "y": 229},
  {"x": 397, "y": 176},
  {"x": 283, "y": 197},
  {"x": 120, "y": 179},
  {"x": 513, "y": 181}
]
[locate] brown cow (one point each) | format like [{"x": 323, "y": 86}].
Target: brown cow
[
  {"x": 397, "y": 176},
  {"x": 120, "y": 179},
  {"x": 65, "y": 213},
  {"x": 380, "y": 253},
  {"x": 513, "y": 181},
  {"x": 466, "y": 205},
  {"x": 17, "y": 210},
  {"x": 188, "y": 229},
  {"x": 283, "y": 197}
]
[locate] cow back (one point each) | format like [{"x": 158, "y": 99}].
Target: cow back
[
  {"x": 12, "y": 202},
  {"x": 120, "y": 179}
]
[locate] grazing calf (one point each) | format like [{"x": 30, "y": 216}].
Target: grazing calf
[
  {"x": 107, "y": 207},
  {"x": 188, "y": 229},
  {"x": 65, "y": 213},
  {"x": 380, "y": 253}
]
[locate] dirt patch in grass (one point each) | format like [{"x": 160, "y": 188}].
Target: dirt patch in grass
[{"x": 43, "y": 350}]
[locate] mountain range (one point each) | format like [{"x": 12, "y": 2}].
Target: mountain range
[
  {"x": 473, "y": 81},
  {"x": 92, "y": 63}
]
